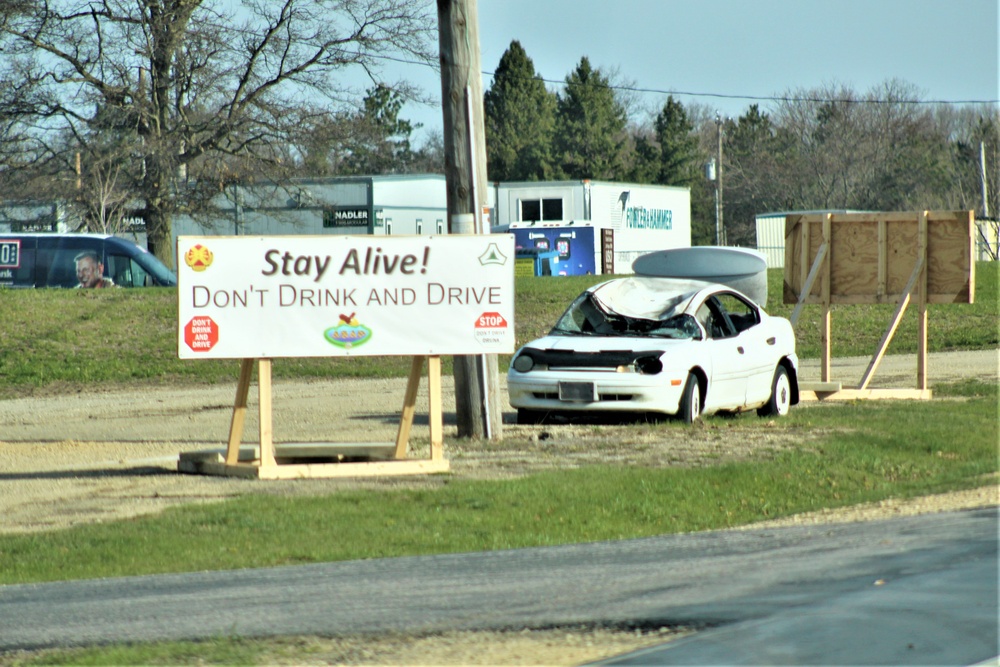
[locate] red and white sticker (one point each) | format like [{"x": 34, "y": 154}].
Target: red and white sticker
[
  {"x": 201, "y": 334},
  {"x": 491, "y": 321},
  {"x": 491, "y": 328}
]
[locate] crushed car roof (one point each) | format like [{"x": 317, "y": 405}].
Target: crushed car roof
[{"x": 648, "y": 298}]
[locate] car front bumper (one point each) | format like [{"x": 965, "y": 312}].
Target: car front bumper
[{"x": 612, "y": 391}]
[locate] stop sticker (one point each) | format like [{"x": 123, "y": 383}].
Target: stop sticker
[
  {"x": 491, "y": 321},
  {"x": 201, "y": 334}
]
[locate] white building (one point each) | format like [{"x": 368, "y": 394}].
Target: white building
[
  {"x": 596, "y": 226},
  {"x": 395, "y": 204}
]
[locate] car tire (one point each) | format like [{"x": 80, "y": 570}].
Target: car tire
[
  {"x": 531, "y": 417},
  {"x": 780, "y": 401},
  {"x": 690, "y": 406}
]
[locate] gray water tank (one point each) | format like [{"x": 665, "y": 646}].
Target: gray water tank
[{"x": 740, "y": 268}]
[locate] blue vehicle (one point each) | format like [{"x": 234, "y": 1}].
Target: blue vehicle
[{"x": 78, "y": 260}]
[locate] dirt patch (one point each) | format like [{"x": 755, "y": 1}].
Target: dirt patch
[{"x": 85, "y": 457}]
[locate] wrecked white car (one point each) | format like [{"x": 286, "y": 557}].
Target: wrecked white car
[{"x": 657, "y": 345}]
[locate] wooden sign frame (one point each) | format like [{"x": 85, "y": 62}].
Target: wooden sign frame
[
  {"x": 266, "y": 463},
  {"x": 861, "y": 258}
]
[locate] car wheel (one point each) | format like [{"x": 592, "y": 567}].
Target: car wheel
[
  {"x": 526, "y": 416},
  {"x": 781, "y": 395},
  {"x": 690, "y": 406}
]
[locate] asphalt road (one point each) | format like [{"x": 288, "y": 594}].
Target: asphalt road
[{"x": 858, "y": 593}]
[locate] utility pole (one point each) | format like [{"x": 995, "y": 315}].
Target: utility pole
[
  {"x": 982, "y": 179},
  {"x": 477, "y": 396},
  {"x": 720, "y": 227}
]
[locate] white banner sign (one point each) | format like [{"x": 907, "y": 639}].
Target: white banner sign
[{"x": 247, "y": 297}]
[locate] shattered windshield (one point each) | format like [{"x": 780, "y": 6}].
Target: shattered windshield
[{"x": 588, "y": 316}]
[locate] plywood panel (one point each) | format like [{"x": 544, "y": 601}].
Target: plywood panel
[
  {"x": 901, "y": 256},
  {"x": 950, "y": 252},
  {"x": 853, "y": 246},
  {"x": 872, "y": 256}
]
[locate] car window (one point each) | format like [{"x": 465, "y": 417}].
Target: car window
[
  {"x": 741, "y": 314},
  {"x": 126, "y": 272},
  {"x": 713, "y": 319},
  {"x": 55, "y": 262}
]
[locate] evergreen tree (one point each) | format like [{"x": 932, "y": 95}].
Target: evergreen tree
[
  {"x": 670, "y": 156},
  {"x": 590, "y": 126},
  {"x": 679, "y": 159},
  {"x": 381, "y": 139},
  {"x": 519, "y": 119},
  {"x": 755, "y": 180}
]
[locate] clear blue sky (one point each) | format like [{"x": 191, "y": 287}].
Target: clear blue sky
[{"x": 948, "y": 49}]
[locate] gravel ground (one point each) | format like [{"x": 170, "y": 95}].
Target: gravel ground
[{"x": 89, "y": 457}]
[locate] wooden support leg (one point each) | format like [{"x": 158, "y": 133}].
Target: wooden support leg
[
  {"x": 266, "y": 433},
  {"x": 825, "y": 337},
  {"x": 891, "y": 331},
  {"x": 435, "y": 415},
  {"x": 239, "y": 412},
  {"x": 922, "y": 347},
  {"x": 409, "y": 408},
  {"x": 807, "y": 287},
  {"x": 921, "y": 290}
]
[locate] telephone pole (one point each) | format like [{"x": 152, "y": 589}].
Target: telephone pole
[
  {"x": 477, "y": 396},
  {"x": 720, "y": 227}
]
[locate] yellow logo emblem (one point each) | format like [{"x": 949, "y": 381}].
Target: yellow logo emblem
[{"x": 198, "y": 257}]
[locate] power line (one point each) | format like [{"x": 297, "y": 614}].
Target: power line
[{"x": 728, "y": 96}]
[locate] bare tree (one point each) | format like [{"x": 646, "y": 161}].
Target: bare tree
[
  {"x": 202, "y": 92},
  {"x": 105, "y": 204},
  {"x": 878, "y": 150}
]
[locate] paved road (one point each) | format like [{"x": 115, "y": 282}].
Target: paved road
[{"x": 724, "y": 579}]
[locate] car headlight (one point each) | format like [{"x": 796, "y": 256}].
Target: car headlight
[
  {"x": 523, "y": 363},
  {"x": 648, "y": 365}
]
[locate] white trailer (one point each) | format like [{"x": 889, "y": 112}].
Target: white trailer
[{"x": 611, "y": 223}]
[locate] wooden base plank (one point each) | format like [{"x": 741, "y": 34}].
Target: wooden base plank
[
  {"x": 820, "y": 387},
  {"x": 300, "y": 450},
  {"x": 865, "y": 394},
  {"x": 314, "y": 471}
]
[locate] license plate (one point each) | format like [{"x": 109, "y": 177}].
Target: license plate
[{"x": 577, "y": 391}]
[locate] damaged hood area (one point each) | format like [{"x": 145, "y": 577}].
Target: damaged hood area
[{"x": 645, "y": 297}]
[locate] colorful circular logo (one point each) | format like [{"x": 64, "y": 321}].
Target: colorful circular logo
[
  {"x": 198, "y": 257},
  {"x": 348, "y": 333}
]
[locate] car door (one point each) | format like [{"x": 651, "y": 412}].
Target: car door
[
  {"x": 727, "y": 381},
  {"x": 757, "y": 352}
]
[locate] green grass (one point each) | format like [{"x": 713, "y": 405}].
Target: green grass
[
  {"x": 54, "y": 340},
  {"x": 872, "y": 450}
]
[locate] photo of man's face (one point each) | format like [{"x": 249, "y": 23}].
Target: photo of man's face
[{"x": 89, "y": 270}]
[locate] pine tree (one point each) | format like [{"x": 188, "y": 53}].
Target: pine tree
[
  {"x": 679, "y": 160},
  {"x": 670, "y": 156},
  {"x": 381, "y": 139},
  {"x": 520, "y": 120},
  {"x": 590, "y": 126}
]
